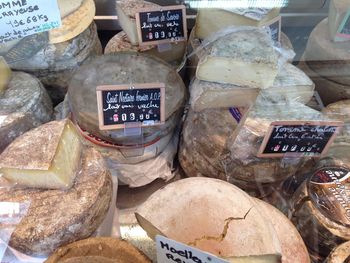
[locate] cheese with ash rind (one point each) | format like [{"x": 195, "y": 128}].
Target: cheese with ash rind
[
  {"x": 291, "y": 84},
  {"x": 67, "y": 6},
  {"x": 174, "y": 55},
  {"x": 211, "y": 20},
  {"x": 179, "y": 211},
  {"x": 50, "y": 157},
  {"x": 74, "y": 23},
  {"x": 337, "y": 12},
  {"x": 56, "y": 217},
  {"x": 245, "y": 57},
  {"x": 5, "y": 74},
  {"x": 131, "y": 68},
  {"x": 126, "y": 11},
  {"x": 24, "y": 104}
]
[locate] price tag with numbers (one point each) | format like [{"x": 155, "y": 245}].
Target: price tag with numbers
[
  {"x": 162, "y": 25},
  {"x": 136, "y": 103}
]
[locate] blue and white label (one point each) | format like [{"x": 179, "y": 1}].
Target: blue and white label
[
  {"x": 170, "y": 251},
  {"x": 21, "y": 18}
]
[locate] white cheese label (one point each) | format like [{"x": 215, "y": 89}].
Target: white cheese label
[
  {"x": 21, "y": 18},
  {"x": 170, "y": 251}
]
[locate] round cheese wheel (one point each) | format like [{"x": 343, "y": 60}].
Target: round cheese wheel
[
  {"x": 341, "y": 254},
  {"x": 131, "y": 68},
  {"x": 328, "y": 59},
  {"x": 55, "y": 64},
  {"x": 24, "y": 105},
  {"x": 57, "y": 217},
  {"x": 98, "y": 250}
]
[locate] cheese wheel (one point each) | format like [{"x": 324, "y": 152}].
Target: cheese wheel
[
  {"x": 98, "y": 249},
  {"x": 74, "y": 23},
  {"x": 24, "y": 105},
  {"x": 341, "y": 254},
  {"x": 179, "y": 211},
  {"x": 57, "y": 217},
  {"x": 328, "y": 59},
  {"x": 66, "y": 7},
  {"x": 101, "y": 71}
]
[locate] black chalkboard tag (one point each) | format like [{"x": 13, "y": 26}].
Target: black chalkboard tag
[
  {"x": 135, "y": 103},
  {"x": 343, "y": 31},
  {"x": 275, "y": 28},
  {"x": 161, "y": 25},
  {"x": 309, "y": 138}
]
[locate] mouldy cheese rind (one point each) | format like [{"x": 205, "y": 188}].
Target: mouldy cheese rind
[
  {"x": 101, "y": 71},
  {"x": 50, "y": 157},
  {"x": 245, "y": 58},
  {"x": 126, "y": 11},
  {"x": 74, "y": 24},
  {"x": 211, "y": 20},
  {"x": 80, "y": 209}
]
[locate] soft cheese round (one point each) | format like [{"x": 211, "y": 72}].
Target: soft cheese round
[
  {"x": 125, "y": 68},
  {"x": 57, "y": 217}
]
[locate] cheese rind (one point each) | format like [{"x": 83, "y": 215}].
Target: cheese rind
[
  {"x": 340, "y": 254},
  {"x": 337, "y": 11},
  {"x": 126, "y": 11},
  {"x": 5, "y": 74},
  {"x": 50, "y": 157},
  {"x": 244, "y": 58},
  {"x": 67, "y": 6},
  {"x": 211, "y": 20}
]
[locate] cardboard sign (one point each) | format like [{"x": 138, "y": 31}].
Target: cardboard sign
[
  {"x": 344, "y": 28},
  {"x": 275, "y": 27},
  {"x": 21, "y": 18},
  {"x": 308, "y": 138},
  {"x": 136, "y": 103},
  {"x": 162, "y": 25},
  {"x": 170, "y": 251}
]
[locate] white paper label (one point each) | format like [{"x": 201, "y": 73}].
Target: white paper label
[
  {"x": 21, "y": 18},
  {"x": 170, "y": 251}
]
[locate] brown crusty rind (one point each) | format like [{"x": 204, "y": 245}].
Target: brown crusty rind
[{"x": 57, "y": 217}]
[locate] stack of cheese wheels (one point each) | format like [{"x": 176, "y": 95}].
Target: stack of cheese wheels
[
  {"x": 117, "y": 147},
  {"x": 341, "y": 254},
  {"x": 321, "y": 206},
  {"x": 68, "y": 47},
  {"x": 68, "y": 189},
  {"x": 98, "y": 249},
  {"x": 235, "y": 220},
  {"x": 24, "y": 104},
  {"x": 327, "y": 63}
]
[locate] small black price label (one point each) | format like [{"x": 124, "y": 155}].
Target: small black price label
[
  {"x": 299, "y": 137},
  {"x": 162, "y": 25},
  {"x": 275, "y": 28},
  {"x": 137, "y": 103}
]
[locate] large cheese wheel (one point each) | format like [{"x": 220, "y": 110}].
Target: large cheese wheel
[
  {"x": 55, "y": 64},
  {"x": 57, "y": 217},
  {"x": 130, "y": 68},
  {"x": 180, "y": 212},
  {"x": 328, "y": 59},
  {"x": 341, "y": 254},
  {"x": 98, "y": 250},
  {"x": 24, "y": 104}
]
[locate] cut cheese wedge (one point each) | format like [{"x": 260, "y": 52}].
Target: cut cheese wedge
[
  {"x": 68, "y": 6},
  {"x": 337, "y": 12},
  {"x": 244, "y": 58},
  {"x": 126, "y": 11},
  {"x": 5, "y": 74},
  {"x": 210, "y": 20},
  {"x": 46, "y": 157},
  {"x": 74, "y": 24},
  {"x": 211, "y": 215}
]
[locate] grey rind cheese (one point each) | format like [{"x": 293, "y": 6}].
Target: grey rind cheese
[
  {"x": 291, "y": 85},
  {"x": 24, "y": 105},
  {"x": 131, "y": 68},
  {"x": 55, "y": 64},
  {"x": 56, "y": 217},
  {"x": 328, "y": 59},
  {"x": 245, "y": 57}
]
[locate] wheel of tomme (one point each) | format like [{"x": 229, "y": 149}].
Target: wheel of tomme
[{"x": 125, "y": 68}]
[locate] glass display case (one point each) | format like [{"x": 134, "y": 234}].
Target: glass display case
[{"x": 175, "y": 131}]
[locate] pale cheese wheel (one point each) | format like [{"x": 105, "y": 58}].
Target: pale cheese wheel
[
  {"x": 24, "y": 105},
  {"x": 180, "y": 212},
  {"x": 102, "y": 71},
  {"x": 328, "y": 59},
  {"x": 98, "y": 250},
  {"x": 66, "y": 7},
  {"x": 74, "y": 23},
  {"x": 341, "y": 254},
  {"x": 57, "y": 217}
]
